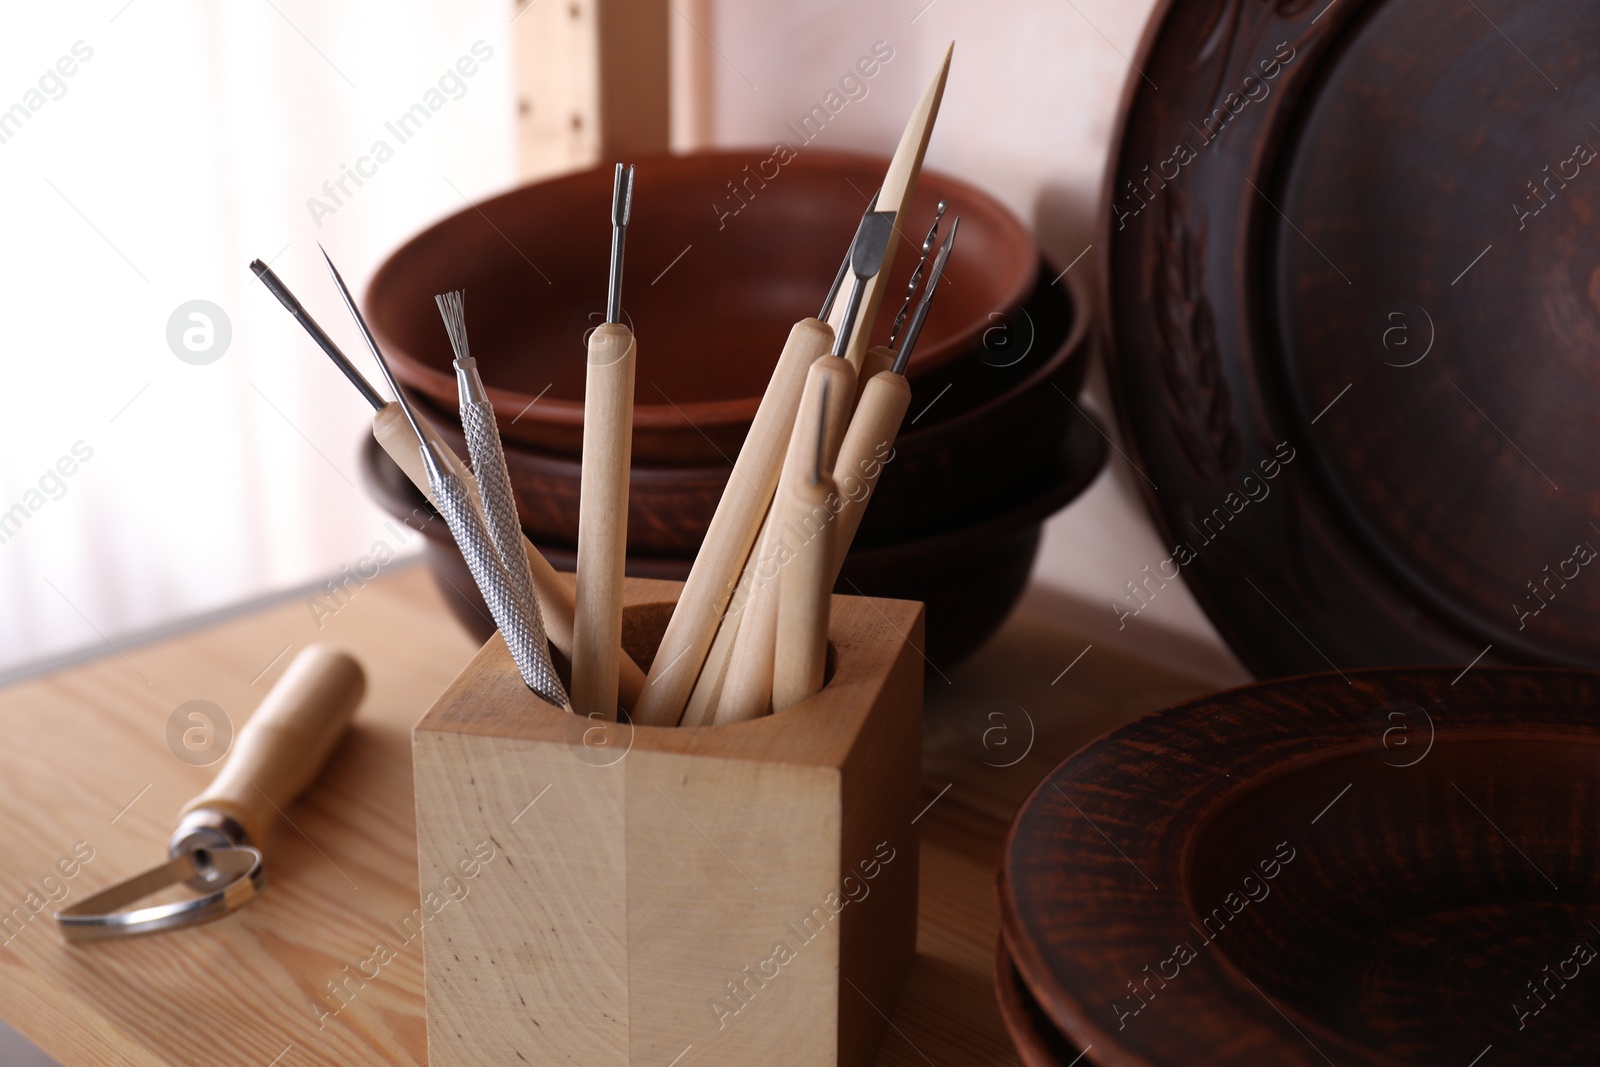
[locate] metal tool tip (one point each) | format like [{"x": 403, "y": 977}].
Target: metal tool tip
[
  {"x": 871, "y": 243},
  {"x": 622, "y": 195},
  {"x": 822, "y": 431},
  {"x": 452, "y": 308},
  {"x": 260, "y": 268}
]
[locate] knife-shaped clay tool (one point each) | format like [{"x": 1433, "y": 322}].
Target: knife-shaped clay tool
[
  {"x": 216, "y": 849},
  {"x": 899, "y": 185}
]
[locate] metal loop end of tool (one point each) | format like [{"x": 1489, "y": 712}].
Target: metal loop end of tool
[{"x": 236, "y": 871}]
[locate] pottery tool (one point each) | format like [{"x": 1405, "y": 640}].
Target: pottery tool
[
  {"x": 881, "y": 358},
  {"x": 712, "y": 619},
  {"x": 457, "y": 498},
  {"x": 700, "y": 632},
  {"x": 747, "y": 689},
  {"x": 805, "y": 582},
  {"x": 603, "y": 490},
  {"x": 216, "y": 848},
  {"x": 498, "y": 501},
  {"x": 746, "y": 631},
  {"x": 869, "y": 442},
  {"x": 394, "y": 433},
  {"x": 898, "y": 186}
]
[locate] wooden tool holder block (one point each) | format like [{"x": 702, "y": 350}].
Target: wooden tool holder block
[{"x": 723, "y": 895}]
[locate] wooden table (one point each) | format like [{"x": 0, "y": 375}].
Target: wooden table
[{"x": 86, "y": 759}]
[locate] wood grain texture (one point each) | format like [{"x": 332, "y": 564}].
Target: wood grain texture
[
  {"x": 732, "y": 531},
  {"x": 83, "y": 743},
  {"x": 675, "y": 863},
  {"x": 592, "y": 82},
  {"x": 603, "y": 520},
  {"x": 281, "y": 750}
]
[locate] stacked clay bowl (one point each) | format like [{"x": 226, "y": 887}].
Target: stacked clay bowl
[
  {"x": 992, "y": 444},
  {"x": 1374, "y": 868}
]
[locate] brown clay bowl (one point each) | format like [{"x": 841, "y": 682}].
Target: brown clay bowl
[
  {"x": 1038, "y": 1042},
  {"x": 710, "y": 324},
  {"x": 960, "y": 461},
  {"x": 969, "y": 578},
  {"x": 1391, "y": 867}
]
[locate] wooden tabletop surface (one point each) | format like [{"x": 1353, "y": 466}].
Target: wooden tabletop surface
[{"x": 86, "y": 765}]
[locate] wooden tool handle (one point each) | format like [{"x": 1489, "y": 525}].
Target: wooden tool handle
[
  {"x": 394, "y": 435},
  {"x": 899, "y": 185},
  {"x": 868, "y": 445},
  {"x": 747, "y": 685},
  {"x": 877, "y": 360},
  {"x": 702, "y": 707},
  {"x": 278, "y": 753},
  {"x": 747, "y": 690},
  {"x": 805, "y": 590},
  {"x": 603, "y": 520},
  {"x": 695, "y": 621},
  {"x": 841, "y": 377}
]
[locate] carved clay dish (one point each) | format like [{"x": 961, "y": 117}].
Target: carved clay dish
[
  {"x": 1391, "y": 867},
  {"x": 1352, "y": 291}
]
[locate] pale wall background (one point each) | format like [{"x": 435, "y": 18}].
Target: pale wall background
[{"x": 188, "y": 145}]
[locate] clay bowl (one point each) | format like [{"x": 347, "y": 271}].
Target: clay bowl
[
  {"x": 961, "y": 460},
  {"x": 969, "y": 578},
  {"x": 1394, "y": 867},
  {"x": 1038, "y": 1042},
  {"x": 710, "y": 324}
]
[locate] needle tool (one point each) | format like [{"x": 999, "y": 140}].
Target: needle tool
[
  {"x": 457, "y": 498},
  {"x": 603, "y": 489},
  {"x": 885, "y": 397},
  {"x": 216, "y": 848},
  {"x": 881, "y": 357},
  {"x": 394, "y": 433}
]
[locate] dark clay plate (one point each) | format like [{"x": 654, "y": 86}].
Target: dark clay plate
[
  {"x": 1390, "y": 867},
  {"x": 1362, "y": 233}
]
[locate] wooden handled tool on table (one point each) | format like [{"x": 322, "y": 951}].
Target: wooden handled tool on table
[
  {"x": 603, "y": 499},
  {"x": 216, "y": 847},
  {"x": 395, "y": 434}
]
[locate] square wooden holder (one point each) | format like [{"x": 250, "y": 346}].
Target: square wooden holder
[{"x": 726, "y": 895}]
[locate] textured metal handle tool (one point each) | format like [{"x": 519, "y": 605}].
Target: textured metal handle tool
[
  {"x": 499, "y": 503},
  {"x": 524, "y": 635}
]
